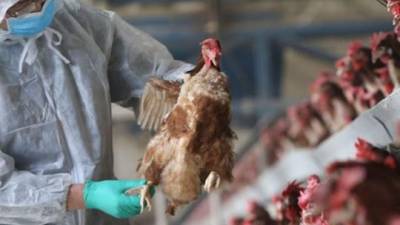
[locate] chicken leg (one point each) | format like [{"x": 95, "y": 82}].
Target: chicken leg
[
  {"x": 213, "y": 182},
  {"x": 145, "y": 196}
]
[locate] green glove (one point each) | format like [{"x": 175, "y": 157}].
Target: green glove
[{"x": 109, "y": 197}]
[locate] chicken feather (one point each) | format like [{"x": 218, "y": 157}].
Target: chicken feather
[{"x": 194, "y": 144}]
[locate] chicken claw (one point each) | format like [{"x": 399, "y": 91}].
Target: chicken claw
[
  {"x": 213, "y": 182},
  {"x": 145, "y": 196}
]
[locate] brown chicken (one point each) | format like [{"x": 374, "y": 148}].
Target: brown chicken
[
  {"x": 368, "y": 152},
  {"x": 257, "y": 215},
  {"x": 236, "y": 221},
  {"x": 306, "y": 126},
  {"x": 361, "y": 85},
  {"x": 275, "y": 140},
  {"x": 393, "y": 7},
  {"x": 386, "y": 51},
  {"x": 287, "y": 208},
  {"x": 328, "y": 99},
  {"x": 345, "y": 198},
  {"x": 310, "y": 214},
  {"x": 360, "y": 193},
  {"x": 193, "y": 148}
]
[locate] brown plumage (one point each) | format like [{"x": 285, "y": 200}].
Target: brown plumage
[
  {"x": 287, "y": 207},
  {"x": 194, "y": 146},
  {"x": 360, "y": 193}
]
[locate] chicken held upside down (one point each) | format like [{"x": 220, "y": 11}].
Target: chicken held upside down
[{"x": 193, "y": 148}]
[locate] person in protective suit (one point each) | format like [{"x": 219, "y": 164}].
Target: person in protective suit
[{"x": 62, "y": 64}]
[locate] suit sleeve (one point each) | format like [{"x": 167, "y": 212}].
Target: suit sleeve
[{"x": 30, "y": 199}]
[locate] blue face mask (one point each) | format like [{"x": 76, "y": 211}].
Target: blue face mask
[{"x": 34, "y": 23}]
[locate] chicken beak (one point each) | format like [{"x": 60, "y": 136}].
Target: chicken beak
[{"x": 214, "y": 61}]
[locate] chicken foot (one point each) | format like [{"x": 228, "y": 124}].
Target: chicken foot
[
  {"x": 213, "y": 182},
  {"x": 145, "y": 196}
]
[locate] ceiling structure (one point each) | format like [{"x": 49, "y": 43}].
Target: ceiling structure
[{"x": 261, "y": 39}]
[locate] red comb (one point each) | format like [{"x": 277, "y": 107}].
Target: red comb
[
  {"x": 394, "y": 8},
  {"x": 323, "y": 78},
  {"x": 365, "y": 151},
  {"x": 354, "y": 47},
  {"x": 377, "y": 38},
  {"x": 306, "y": 195},
  {"x": 251, "y": 206},
  {"x": 212, "y": 42}
]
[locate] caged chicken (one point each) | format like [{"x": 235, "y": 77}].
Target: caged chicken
[
  {"x": 346, "y": 197},
  {"x": 258, "y": 215},
  {"x": 271, "y": 144},
  {"x": 357, "y": 77},
  {"x": 236, "y": 221},
  {"x": 328, "y": 99},
  {"x": 393, "y": 6},
  {"x": 306, "y": 126},
  {"x": 193, "y": 146},
  {"x": 386, "y": 51},
  {"x": 368, "y": 152},
  {"x": 310, "y": 214},
  {"x": 275, "y": 140},
  {"x": 288, "y": 211}
]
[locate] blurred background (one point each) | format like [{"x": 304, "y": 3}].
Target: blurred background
[{"x": 273, "y": 50}]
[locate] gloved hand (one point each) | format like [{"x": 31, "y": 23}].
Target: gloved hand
[{"x": 109, "y": 196}]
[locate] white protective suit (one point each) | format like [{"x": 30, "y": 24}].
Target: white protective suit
[{"x": 55, "y": 109}]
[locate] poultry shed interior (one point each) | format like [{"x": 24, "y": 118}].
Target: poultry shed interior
[{"x": 315, "y": 99}]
